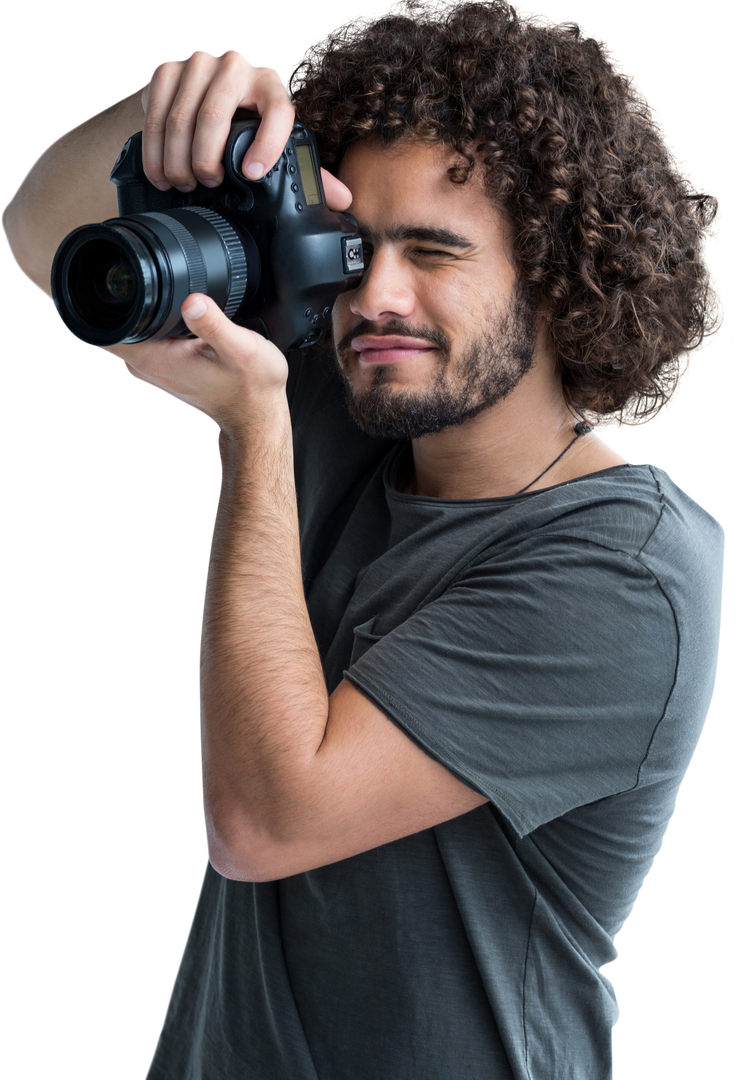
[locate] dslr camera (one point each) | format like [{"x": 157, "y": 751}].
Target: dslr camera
[{"x": 269, "y": 252}]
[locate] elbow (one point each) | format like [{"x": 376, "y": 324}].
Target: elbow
[{"x": 239, "y": 852}]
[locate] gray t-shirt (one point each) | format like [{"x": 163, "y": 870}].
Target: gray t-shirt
[{"x": 554, "y": 650}]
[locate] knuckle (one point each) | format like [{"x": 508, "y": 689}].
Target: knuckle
[
  {"x": 231, "y": 58},
  {"x": 157, "y": 73},
  {"x": 167, "y": 70},
  {"x": 280, "y": 103},
  {"x": 281, "y": 112},
  {"x": 283, "y": 109},
  {"x": 270, "y": 70},
  {"x": 212, "y": 114},
  {"x": 179, "y": 176},
  {"x": 200, "y": 54},
  {"x": 271, "y": 142},
  {"x": 154, "y": 124},
  {"x": 206, "y": 169},
  {"x": 200, "y": 58},
  {"x": 178, "y": 121}
]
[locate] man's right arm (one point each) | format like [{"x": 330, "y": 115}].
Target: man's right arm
[{"x": 69, "y": 186}]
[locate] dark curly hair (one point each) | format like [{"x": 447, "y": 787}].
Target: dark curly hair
[{"x": 606, "y": 231}]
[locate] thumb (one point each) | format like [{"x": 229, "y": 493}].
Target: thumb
[
  {"x": 235, "y": 347},
  {"x": 204, "y": 318},
  {"x": 193, "y": 309}
]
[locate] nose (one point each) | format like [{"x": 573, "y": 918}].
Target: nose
[{"x": 386, "y": 290}]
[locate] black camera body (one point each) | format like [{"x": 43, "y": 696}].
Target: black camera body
[{"x": 269, "y": 252}]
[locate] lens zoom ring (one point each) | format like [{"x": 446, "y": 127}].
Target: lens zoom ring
[
  {"x": 236, "y": 258},
  {"x": 193, "y": 258}
]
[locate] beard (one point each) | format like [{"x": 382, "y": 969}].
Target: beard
[{"x": 491, "y": 366}]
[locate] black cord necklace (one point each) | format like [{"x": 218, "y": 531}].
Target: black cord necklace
[{"x": 580, "y": 429}]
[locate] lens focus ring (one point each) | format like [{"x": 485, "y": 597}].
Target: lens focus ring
[
  {"x": 197, "y": 278},
  {"x": 235, "y": 257}
]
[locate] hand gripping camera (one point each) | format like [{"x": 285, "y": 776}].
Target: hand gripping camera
[{"x": 269, "y": 252}]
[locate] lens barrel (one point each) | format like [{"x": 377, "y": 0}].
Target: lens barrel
[{"x": 123, "y": 281}]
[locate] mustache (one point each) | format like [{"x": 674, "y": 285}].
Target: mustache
[{"x": 366, "y": 328}]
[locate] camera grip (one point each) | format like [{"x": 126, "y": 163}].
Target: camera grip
[{"x": 135, "y": 194}]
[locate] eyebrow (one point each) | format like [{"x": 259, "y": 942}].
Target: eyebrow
[{"x": 423, "y": 233}]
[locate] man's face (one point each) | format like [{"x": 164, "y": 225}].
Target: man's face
[{"x": 438, "y": 330}]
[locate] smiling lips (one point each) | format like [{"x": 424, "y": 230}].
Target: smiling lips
[{"x": 388, "y": 349}]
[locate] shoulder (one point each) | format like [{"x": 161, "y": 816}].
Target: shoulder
[
  {"x": 590, "y": 455},
  {"x": 639, "y": 516}
]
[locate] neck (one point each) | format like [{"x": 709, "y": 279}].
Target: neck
[{"x": 479, "y": 460}]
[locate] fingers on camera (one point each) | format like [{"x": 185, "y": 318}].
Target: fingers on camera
[
  {"x": 188, "y": 116},
  {"x": 161, "y": 93},
  {"x": 273, "y": 133}
]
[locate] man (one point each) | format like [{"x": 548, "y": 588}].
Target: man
[{"x": 456, "y": 653}]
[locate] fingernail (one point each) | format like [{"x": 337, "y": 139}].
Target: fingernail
[
  {"x": 186, "y": 189},
  {"x": 255, "y": 170},
  {"x": 196, "y": 309},
  {"x": 163, "y": 185},
  {"x": 209, "y": 183}
]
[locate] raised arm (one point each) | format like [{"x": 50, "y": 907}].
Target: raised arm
[{"x": 69, "y": 186}]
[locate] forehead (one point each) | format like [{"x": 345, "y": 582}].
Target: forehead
[{"x": 409, "y": 184}]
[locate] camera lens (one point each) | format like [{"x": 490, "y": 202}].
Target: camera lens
[
  {"x": 124, "y": 281},
  {"x": 119, "y": 283},
  {"x": 102, "y": 285}
]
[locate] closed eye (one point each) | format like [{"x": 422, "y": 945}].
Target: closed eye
[{"x": 418, "y": 251}]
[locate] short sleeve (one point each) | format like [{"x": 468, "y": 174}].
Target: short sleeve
[{"x": 539, "y": 678}]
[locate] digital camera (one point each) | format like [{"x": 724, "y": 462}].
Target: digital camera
[{"x": 269, "y": 252}]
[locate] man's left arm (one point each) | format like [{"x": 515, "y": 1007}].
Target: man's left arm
[
  {"x": 293, "y": 778},
  {"x": 264, "y": 704}
]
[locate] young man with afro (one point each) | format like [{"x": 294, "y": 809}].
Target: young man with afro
[{"x": 456, "y": 651}]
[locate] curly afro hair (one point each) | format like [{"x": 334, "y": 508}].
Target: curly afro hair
[{"x": 607, "y": 233}]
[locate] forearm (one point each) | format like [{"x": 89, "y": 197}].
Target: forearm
[
  {"x": 264, "y": 698},
  {"x": 69, "y": 186}
]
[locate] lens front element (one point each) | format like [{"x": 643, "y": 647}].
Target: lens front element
[{"x": 102, "y": 284}]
